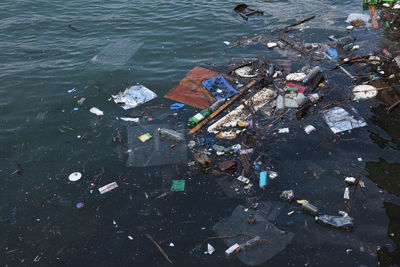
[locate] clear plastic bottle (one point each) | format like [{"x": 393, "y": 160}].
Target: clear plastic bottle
[
  {"x": 249, "y": 243},
  {"x": 171, "y": 134},
  {"x": 344, "y": 222},
  {"x": 308, "y": 207},
  {"x": 315, "y": 71}
]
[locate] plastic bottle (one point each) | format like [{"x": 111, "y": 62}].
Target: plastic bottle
[
  {"x": 249, "y": 243},
  {"x": 315, "y": 71},
  {"x": 171, "y": 134},
  {"x": 263, "y": 179},
  {"x": 279, "y": 103},
  {"x": 193, "y": 121},
  {"x": 314, "y": 98},
  {"x": 345, "y": 40},
  {"x": 271, "y": 70},
  {"x": 335, "y": 221},
  {"x": 308, "y": 207},
  {"x": 216, "y": 105}
]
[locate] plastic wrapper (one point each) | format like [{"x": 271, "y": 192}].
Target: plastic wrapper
[
  {"x": 134, "y": 96},
  {"x": 340, "y": 119}
]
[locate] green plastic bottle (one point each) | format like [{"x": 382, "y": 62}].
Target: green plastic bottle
[{"x": 193, "y": 121}]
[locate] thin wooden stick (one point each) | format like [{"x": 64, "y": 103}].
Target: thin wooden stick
[
  {"x": 392, "y": 107},
  {"x": 221, "y": 108},
  {"x": 375, "y": 89},
  {"x": 288, "y": 28},
  {"x": 159, "y": 248},
  {"x": 245, "y": 41}
]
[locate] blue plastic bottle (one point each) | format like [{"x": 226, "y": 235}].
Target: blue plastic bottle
[{"x": 263, "y": 179}]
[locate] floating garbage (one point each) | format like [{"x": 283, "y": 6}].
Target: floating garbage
[
  {"x": 96, "y": 111},
  {"x": 171, "y": 134},
  {"x": 80, "y": 205},
  {"x": 117, "y": 53},
  {"x": 287, "y": 195},
  {"x": 335, "y": 221},
  {"x": 246, "y": 72},
  {"x": 340, "y": 119},
  {"x": 350, "y": 180},
  {"x": 241, "y": 113},
  {"x": 178, "y": 185},
  {"x": 226, "y": 135},
  {"x": 283, "y": 130},
  {"x": 75, "y": 176},
  {"x": 144, "y": 137},
  {"x": 130, "y": 119},
  {"x": 362, "y": 92},
  {"x": 346, "y": 194},
  {"x": 357, "y": 19},
  {"x": 298, "y": 77},
  {"x": 309, "y": 128},
  {"x": 219, "y": 87},
  {"x": 210, "y": 249},
  {"x": 258, "y": 232},
  {"x": 272, "y": 45},
  {"x": 108, "y": 187},
  {"x": 134, "y": 96},
  {"x": 310, "y": 208}
]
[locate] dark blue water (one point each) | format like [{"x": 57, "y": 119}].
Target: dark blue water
[{"x": 155, "y": 44}]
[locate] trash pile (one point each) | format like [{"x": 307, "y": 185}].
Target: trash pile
[{"x": 257, "y": 99}]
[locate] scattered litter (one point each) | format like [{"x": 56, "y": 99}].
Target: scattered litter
[
  {"x": 272, "y": 45},
  {"x": 246, "y": 72},
  {"x": 350, "y": 180},
  {"x": 232, "y": 249},
  {"x": 361, "y": 183},
  {"x": 246, "y": 151},
  {"x": 227, "y": 43},
  {"x": 176, "y": 106},
  {"x": 362, "y": 92},
  {"x": 134, "y": 96},
  {"x": 243, "y": 179},
  {"x": 210, "y": 249},
  {"x": 272, "y": 174},
  {"x": 396, "y": 6},
  {"x": 309, "y": 128},
  {"x": 310, "y": 208},
  {"x": 80, "y": 101},
  {"x": 219, "y": 87},
  {"x": 263, "y": 179},
  {"x": 298, "y": 77},
  {"x": 117, "y": 53},
  {"x": 301, "y": 201},
  {"x": 290, "y": 213},
  {"x": 346, "y": 194},
  {"x": 171, "y": 244},
  {"x": 145, "y": 137},
  {"x": 335, "y": 221},
  {"x": 226, "y": 135},
  {"x": 359, "y": 159},
  {"x": 355, "y": 18},
  {"x": 96, "y": 111},
  {"x": 108, "y": 187},
  {"x": 129, "y": 119},
  {"x": 287, "y": 195},
  {"x": 130, "y": 237},
  {"x": 340, "y": 119},
  {"x": 283, "y": 130},
  {"x": 171, "y": 135},
  {"x": 178, "y": 185},
  {"x": 80, "y": 205},
  {"x": 350, "y": 27},
  {"x": 75, "y": 176},
  {"x": 71, "y": 90}
]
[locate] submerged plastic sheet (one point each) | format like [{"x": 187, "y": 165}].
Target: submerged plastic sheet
[
  {"x": 340, "y": 119},
  {"x": 155, "y": 151},
  {"x": 191, "y": 91},
  {"x": 262, "y": 251},
  {"x": 134, "y": 96},
  {"x": 117, "y": 53},
  {"x": 219, "y": 83}
]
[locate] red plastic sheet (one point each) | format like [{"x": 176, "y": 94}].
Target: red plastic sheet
[{"x": 190, "y": 91}]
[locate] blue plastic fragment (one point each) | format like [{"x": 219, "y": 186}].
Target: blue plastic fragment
[
  {"x": 332, "y": 52},
  {"x": 263, "y": 179},
  {"x": 218, "y": 82},
  {"x": 206, "y": 142},
  {"x": 76, "y": 109},
  {"x": 177, "y": 106}
]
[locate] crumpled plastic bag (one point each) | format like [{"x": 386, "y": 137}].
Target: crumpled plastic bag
[
  {"x": 134, "y": 96},
  {"x": 357, "y": 16}
]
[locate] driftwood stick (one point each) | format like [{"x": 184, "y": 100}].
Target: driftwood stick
[
  {"x": 221, "y": 108},
  {"x": 392, "y": 107},
  {"x": 245, "y": 41},
  {"x": 159, "y": 248},
  {"x": 288, "y": 28}
]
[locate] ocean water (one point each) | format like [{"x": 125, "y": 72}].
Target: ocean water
[{"x": 111, "y": 44}]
